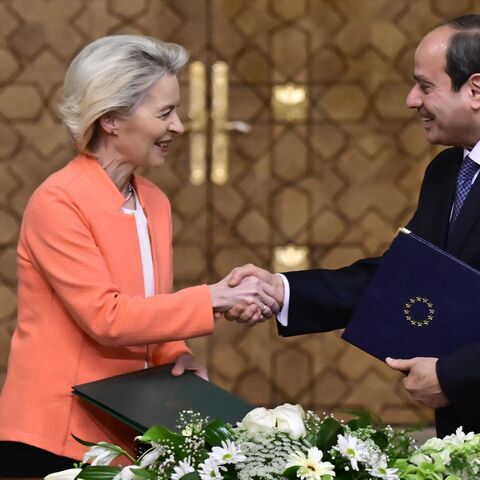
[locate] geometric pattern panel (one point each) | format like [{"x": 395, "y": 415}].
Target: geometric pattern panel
[{"x": 338, "y": 183}]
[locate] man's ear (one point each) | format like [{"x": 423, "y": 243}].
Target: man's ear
[
  {"x": 108, "y": 123},
  {"x": 474, "y": 88}
]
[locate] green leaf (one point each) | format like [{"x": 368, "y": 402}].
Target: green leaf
[
  {"x": 291, "y": 472},
  {"x": 191, "y": 476},
  {"x": 342, "y": 475},
  {"x": 98, "y": 472},
  {"x": 84, "y": 442},
  {"x": 380, "y": 439},
  {"x": 326, "y": 436},
  {"x": 363, "y": 418},
  {"x": 230, "y": 473},
  {"x": 109, "y": 446},
  {"x": 157, "y": 433},
  {"x": 216, "y": 432},
  {"x": 141, "y": 472}
]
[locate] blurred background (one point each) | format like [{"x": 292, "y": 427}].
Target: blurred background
[{"x": 299, "y": 153}]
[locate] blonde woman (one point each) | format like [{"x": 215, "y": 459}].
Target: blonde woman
[{"x": 94, "y": 260}]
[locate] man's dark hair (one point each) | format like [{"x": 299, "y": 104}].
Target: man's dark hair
[{"x": 463, "y": 51}]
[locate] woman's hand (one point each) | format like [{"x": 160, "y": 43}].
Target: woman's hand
[
  {"x": 251, "y": 291},
  {"x": 185, "y": 362}
]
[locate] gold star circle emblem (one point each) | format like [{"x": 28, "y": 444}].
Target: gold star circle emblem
[{"x": 415, "y": 321}]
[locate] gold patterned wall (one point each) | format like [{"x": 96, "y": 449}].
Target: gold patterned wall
[{"x": 337, "y": 183}]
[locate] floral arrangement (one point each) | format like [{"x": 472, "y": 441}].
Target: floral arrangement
[{"x": 283, "y": 443}]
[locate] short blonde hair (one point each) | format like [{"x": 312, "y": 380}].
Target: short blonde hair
[{"x": 113, "y": 74}]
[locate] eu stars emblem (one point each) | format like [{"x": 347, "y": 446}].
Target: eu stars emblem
[{"x": 419, "y": 311}]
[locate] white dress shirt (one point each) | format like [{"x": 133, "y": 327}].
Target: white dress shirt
[{"x": 145, "y": 248}]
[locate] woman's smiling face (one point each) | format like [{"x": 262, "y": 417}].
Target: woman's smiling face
[{"x": 143, "y": 138}]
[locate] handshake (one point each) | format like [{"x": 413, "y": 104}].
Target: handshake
[{"x": 248, "y": 294}]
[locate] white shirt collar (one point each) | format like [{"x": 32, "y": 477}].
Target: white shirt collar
[{"x": 474, "y": 153}]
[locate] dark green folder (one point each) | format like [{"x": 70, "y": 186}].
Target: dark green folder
[{"x": 155, "y": 397}]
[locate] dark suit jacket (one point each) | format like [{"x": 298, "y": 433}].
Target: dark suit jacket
[{"x": 323, "y": 300}]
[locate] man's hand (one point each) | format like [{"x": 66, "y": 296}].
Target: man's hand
[
  {"x": 250, "y": 314},
  {"x": 186, "y": 362},
  {"x": 421, "y": 380}
]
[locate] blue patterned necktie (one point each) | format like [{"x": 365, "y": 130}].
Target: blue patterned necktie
[{"x": 464, "y": 182}]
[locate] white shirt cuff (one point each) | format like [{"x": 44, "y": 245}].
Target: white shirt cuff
[{"x": 282, "y": 315}]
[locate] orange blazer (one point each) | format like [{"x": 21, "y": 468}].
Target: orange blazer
[{"x": 82, "y": 314}]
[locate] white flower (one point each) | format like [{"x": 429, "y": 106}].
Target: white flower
[
  {"x": 69, "y": 474},
  {"x": 433, "y": 443},
  {"x": 182, "y": 469},
  {"x": 419, "y": 458},
  {"x": 187, "y": 431},
  {"x": 258, "y": 420},
  {"x": 127, "y": 473},
  {"x": 286, "y": 418},
  {"x": 459, "y": 437},
  {"x": 351, "y": 448},
  {"x": 311, "y": 466},
  {"x": 209, "y": 470},
  {"x": 381, "y": 471},
  {"x": 289, "y": 419},
  {"x": 227, "y": 453},
  {"x": 151, "y": 456},
  {"x": 442, "y": 457},
  {"x": 101, "y": 454}
]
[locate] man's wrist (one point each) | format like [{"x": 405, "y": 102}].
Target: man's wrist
[{"x": 279, "y": 289}]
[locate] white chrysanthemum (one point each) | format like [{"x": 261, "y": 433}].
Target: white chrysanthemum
[
  {"x": 352, "y": 448},
  {"x": 127, "y": 473},
  {"x": 209, "y": 470},
  {"x": 69, "y": 474},
  {"x": 311, "y": 465},
  {"x": 101, "y": 454},
  {"x": 182, "y": 469},
  {"x": 227, "y": 453},
  {"x": 381, "y": 471}
]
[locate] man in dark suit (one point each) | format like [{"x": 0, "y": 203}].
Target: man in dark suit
[{"x": 446, "y": 95}]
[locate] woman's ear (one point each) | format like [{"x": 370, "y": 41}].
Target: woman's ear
[
  {"x": 474, "y": 87},
  {"x": 108, "y": 123}
]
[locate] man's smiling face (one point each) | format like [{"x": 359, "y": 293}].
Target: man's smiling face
[{"x": 446, "y": 114}]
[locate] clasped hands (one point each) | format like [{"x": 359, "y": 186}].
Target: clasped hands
[{"x": 248, "y": 294}]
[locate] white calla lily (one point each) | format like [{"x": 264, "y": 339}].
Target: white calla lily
[
  {"x": 100, "y": 454},
  {"x": 69, "y": 474}
]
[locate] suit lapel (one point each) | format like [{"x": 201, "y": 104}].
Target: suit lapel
[
  {"x": 112, "y": 226},
  {"x": 466, "y": 219},
  {"x": 444, "y": 196}
]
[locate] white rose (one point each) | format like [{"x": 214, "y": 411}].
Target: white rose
[
  {"x": 258, "y": 420},
  {"x": 289, "y": 419}
]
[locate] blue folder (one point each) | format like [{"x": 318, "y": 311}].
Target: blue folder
[{"x": 421, "y": 301}]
